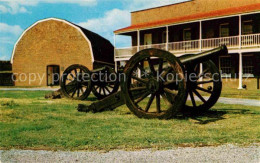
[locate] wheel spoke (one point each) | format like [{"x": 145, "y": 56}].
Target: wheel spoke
[
  {"x": 78, "y": 92},
  {"x": 142, "y": 97},
  {"x": 149, "y": 103},
  {"x": 192, "y": 99},
  {"x": 200, "y": 97},
  {"x": 204, "y": 82},
  {"x": 166, "y": 71},
  {"x": 99, "y": 91},
  {"x": 151, "y": 67},
  {"x": 141, "y": 68},
  {"x": 108, "y": 90},
  {"x": 82, "y": 90},
  {"x": 158, "y": 103},
  {"x": 160, "y": 66},
  {"x": 72, "y": 75},
  {"x": 203, "y": 73},
  {"x": 204, "y": 90},
  {"x": 138, "y": 89},
  {"x": 104, "y": 91},
  {"x": 75, "y": 90},
  {"x": 169, "y": 91},
  {"x": 166, "y": 99},
  {"x": 169, "y": 82},
  {"x": 110, "y": 86},
  {"x": 140, "y": 79}
]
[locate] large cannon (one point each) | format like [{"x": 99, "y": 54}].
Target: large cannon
[{"x": 154, "y": 84}]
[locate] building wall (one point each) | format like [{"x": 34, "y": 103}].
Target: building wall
[
  {"x": 49, "y": 42},
  {"x": 186, "y": 8}
]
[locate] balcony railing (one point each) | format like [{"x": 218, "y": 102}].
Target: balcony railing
[{"x": 247, "y": 41}]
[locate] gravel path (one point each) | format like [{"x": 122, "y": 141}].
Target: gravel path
[
  {"x": 238, "y": 101},
  {"x": 226, "y": 153}
]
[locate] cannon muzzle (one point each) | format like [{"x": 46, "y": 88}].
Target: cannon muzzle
[{"x": 204, "y": 56}]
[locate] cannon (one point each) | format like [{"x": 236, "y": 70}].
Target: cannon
[{"x": 153, "y": 84}]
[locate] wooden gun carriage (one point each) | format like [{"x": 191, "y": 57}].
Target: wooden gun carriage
[{"x": 153, "y": 84}]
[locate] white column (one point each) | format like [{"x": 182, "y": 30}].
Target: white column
[
  {"x": 167, "y": 38},
  {"x": 240, "y": 71},
  {"x": 240, "y": 31},
  {"x": 138, "y": 40},
  {"x": 115, "y": 66},
  {"x": 201, "y": 65},
  {"x": 200, "y": 36},
  {"x": 115, "y": 52},
  {"x": 240, "y": 82}
]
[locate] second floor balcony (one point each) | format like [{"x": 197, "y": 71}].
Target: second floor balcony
[
  {"x": 236, "y": 32},
  {"x": 233, "y": 42}
]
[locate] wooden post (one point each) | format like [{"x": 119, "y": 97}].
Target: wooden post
[{"x": 167, "y": 38}]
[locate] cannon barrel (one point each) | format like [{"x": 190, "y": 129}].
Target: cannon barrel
[{"x": 204, "y": 56}]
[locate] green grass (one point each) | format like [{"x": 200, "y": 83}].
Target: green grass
[{"x": 28, "y": 121}]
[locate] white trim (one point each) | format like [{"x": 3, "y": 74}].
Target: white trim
[
  {"x": 188, "y": 22},
  {"x": 56, "y": 19}
]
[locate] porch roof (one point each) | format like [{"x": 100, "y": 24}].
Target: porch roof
[{"x": 199, "y": 16}]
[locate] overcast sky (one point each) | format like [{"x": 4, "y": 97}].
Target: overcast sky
[{"x": 100, "y": 16}]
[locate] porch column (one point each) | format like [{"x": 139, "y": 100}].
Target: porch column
[
  {"x": 200, "y": 36},
  {"x": 240, "y": 71},
  {"x": 167, "y": 38},
  {"x": 115, "y": 52},
  {"x": 240, "y": 31},
  {"x": 201, "y": 65},
  {"x": 138, "y": 40}
]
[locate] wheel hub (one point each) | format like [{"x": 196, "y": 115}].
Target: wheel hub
[{"x": 153, "y": 85}]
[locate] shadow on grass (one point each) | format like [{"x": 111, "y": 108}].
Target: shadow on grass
[{"x": 212, "y": 115}]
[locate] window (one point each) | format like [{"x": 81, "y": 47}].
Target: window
[
  {"x": 248, "y": 66},
  {"x": 225, "y": 65},
  {"x": 247, "y": 27},
  {"x": 53, "y": 72},
  {"x": 224, "y": 30},
  {"x": 148, "y": 39},
  {"x": 187, "y": 34}
]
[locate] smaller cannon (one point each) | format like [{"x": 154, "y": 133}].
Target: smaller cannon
[
  {"x": 76, "y": 83},
  {"x": 156, "y": 84}
]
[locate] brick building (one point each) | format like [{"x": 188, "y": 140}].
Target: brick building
[
  {"x": 199, "y": 25},
  {"x": 49, "y": 46}
]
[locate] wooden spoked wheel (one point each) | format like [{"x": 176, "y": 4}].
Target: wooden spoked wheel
[
  {"x": 106, "y": 84},
  {"x": 76, "y": 83},
  {"x": 155, "y": 86},
  {"x": 204, "y": 88}
]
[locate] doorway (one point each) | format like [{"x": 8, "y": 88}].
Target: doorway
[{"x": 53, "y": 75}]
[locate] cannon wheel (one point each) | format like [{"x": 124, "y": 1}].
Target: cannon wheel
[
  {"x": 109, "y": 85},
  {"x": 210, "y": 86},
  {"x": 158, "y": 97},
  {"x": 75, "y": 82}
]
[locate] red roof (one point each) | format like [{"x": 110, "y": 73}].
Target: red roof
[{"x": 217, "y": 13}]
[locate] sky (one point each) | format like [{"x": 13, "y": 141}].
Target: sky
[{"x": 100, "y": 16}]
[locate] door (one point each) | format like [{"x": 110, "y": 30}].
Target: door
[
  {"x": 53, "y": 73},
  {"x": 148, "y": 39}
]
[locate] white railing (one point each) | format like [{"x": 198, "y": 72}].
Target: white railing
[
  {"x": 156, "y": 46},
  {"x": 184, "y": 46},
  {"x": 232, "y": 42},
  {"x": 250, "y": 40},
  {"x": 126, "y": 52}
]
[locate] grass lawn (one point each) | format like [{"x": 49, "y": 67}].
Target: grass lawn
[
  {"x": 230, "y": 89},
  {"x": 28, "y": 121}
]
